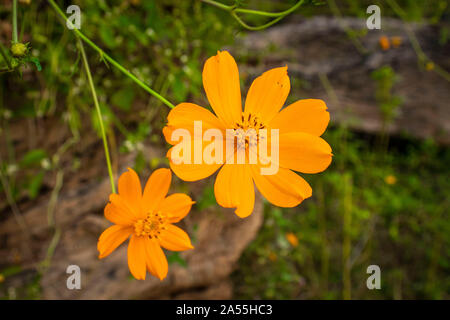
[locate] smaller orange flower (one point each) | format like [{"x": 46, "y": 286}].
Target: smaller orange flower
[
  {"x": 148, "y": 218},
  {"x": 384, "y": 43},
  {"x": 396, "y": 41},
  {"x": 292, "y": 238}
]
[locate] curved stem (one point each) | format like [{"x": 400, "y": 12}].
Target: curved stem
[
  {"x": 252, "y": 28},
  {"x": 111, "y": 60},
  {"x": 218, "y": 5},
  {"x": 99, "y": 115},
  {"x": 15, "y": 38},
  {"x": 233, "y": 11},
  {"x": 271, "y": 14}
]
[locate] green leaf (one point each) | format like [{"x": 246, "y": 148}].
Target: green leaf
[
  {"x": 175, "y": 257},
  {"x": 107, "y": 36},
  {"x": 180, "y": 90},
  {"x": 207, "y": 198},
  {"x": 35, "y": 185},
  {"x": 123, "y": 99},
  {"x": 36, "y": 63},
  {"x": 33, "y": 157},
  {"x": 10, "y": 271}
]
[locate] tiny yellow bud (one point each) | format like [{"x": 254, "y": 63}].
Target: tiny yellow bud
[
  {"x": 19, "y": 49},
  {"x": 429, "y": 66},
  {"x": 390, "y": 179},
  {"x": 2, "y": 278}
]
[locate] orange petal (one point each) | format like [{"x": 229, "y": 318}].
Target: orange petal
[
  {"x": 156, "y": 260},
  {"x": 284, "y": 189},
  {"x": 176, "y": 206},
  {"x": 184, "y": 115},
  {"x": 311, "y": 116},
  {"x": 304, "y": 152},
  {"x": 124, "y": 206},
  {"x": 234, "y": 189},
  {"x": 175, "y": 239},
  {"x": 137, "y": 258},
  {"x": 267, "y": 94},
  {"x": 130, "y": 189},
  {"x": 111, "y": 238},
  {"x": 117, "y": 216},
  {"x": 156, "y": 189},
  {"x": 222, "y": 86},
  {"x": 192, "y": 172}
]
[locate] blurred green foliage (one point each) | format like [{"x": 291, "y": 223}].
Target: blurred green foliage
[{"x": 399, "y": 221}]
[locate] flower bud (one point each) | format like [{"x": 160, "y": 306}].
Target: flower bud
[{"x": 19, "y": 49}]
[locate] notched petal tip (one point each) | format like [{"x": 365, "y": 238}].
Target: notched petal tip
[
  {"x": 161, "y": 278},
  {"x": 242, "y": 213},
  {"x": 138, "y": 277}
]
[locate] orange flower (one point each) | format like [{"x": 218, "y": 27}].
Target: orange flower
[
  {"x": 292, "y": 238},
  {"x": 396, "y": 41},
  {"x": 300, "y": 126},
  {"x": 384, "y": 43},
  {"x": 148, "y": 217}
]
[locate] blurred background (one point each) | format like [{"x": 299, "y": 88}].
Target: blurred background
[{"x": 383, "y": 201}]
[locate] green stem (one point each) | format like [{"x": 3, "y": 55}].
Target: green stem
[
  {"x": 111, "y": 60},
  {"x": 218, "y": 5},
  {"x": 233, "y": 11},
  {"x": 252, "y": 28},
  {"x": 99, "y": 115},
  {"x": 14, "y": 22},
  {"x": 349, "y": 32},
  {"x": 271, "y": 14}
]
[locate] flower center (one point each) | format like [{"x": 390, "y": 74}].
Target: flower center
[
  {"x": 246, "y": 131},
  {"x": 249, "y": 122},
  {"x": 151, "y": 226}
]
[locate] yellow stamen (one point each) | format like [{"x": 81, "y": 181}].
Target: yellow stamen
[
  {"x": 151, "y": 226},
  {"x": 246, "y": 131}
]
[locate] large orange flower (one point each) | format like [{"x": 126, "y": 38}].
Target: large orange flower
[
  {"x": 148, "y": 218},
  {"x": 300, "y": 126}
]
